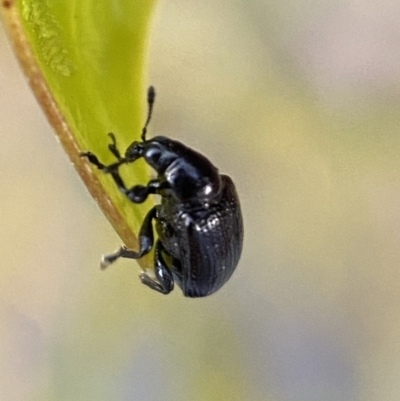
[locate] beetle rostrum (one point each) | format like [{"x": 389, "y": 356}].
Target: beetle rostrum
[{"x": 198, "y": 222}]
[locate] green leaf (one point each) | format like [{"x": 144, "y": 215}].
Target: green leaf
[{"x": 86, "y": 62}]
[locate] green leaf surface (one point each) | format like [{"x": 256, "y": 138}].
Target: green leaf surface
[{"x": 86, "y": 63}]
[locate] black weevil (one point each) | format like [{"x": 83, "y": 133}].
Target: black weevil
[{"x": 199, "y": 221}]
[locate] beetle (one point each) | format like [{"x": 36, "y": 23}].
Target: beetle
[{"x": 199, "y": 220}]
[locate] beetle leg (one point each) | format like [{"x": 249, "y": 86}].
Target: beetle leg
[
  {"x": 134, "y": 152},
  {"x": 92, "y": 159},
  {"x": 139, "y": 193},
  {"x": 146, "y": 241},
  {"x": 107, "y": 169},
  {"x": 165, "y": 280},
  {"x": 113, "y": 147}
]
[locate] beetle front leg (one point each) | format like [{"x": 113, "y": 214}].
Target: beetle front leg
[
  {"x": 93, "y": 159},
  {"x": 146, "y": 241},
  {"x": 113, "y": 147},
  {"x": 165, "y": 280},
  {"x": 134, "y": 152}
]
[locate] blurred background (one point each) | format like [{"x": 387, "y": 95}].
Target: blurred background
[{"x": 299, "y": 101}]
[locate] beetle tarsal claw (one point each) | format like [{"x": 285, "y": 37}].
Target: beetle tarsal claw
[
  {"x": 145, "y": 279},
  {"x": 105, "y": 262}
]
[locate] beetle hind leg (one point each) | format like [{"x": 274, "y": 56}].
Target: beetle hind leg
[
  {"x": 165, "y": 279},
  {"x": 122, "y": 252},
  {"x": 146, "y": 241}
]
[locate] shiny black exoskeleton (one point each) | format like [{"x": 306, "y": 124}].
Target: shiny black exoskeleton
[{"x": 199, "y": 221}]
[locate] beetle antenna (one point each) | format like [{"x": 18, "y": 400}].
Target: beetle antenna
[{"x": 151, "y": 97}]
